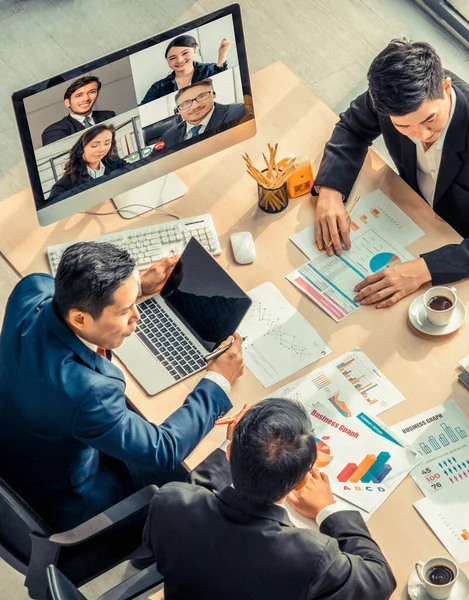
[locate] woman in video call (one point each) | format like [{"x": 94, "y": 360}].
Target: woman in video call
[
  {"x": 93, "y": 156},
  {"x": 184, "y": 71}
]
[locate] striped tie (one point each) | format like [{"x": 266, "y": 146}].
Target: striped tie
[{"x": 86, "y": 122}]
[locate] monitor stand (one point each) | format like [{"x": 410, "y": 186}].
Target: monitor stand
[{"x": 149, "y": 196}]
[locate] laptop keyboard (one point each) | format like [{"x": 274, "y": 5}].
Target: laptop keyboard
[{"x": 165, "y": 339}]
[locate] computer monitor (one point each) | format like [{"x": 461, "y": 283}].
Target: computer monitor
[{"x": 119, "y": 126}]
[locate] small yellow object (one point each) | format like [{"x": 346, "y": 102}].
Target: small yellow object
[{"x": 302, "y": 179}]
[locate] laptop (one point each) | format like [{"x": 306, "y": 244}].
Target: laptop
[{"x": 198, "y": 307}]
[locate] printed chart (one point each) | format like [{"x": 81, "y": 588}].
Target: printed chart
[
  {"x": 364, "y": 460},
  {"x": 373, "y": 212},
  {"x": 441, "y": 436},
  {"x": 350, "y": 383},
  {"x": 329, "y": 281},
  {"x": 448, "y": 516},
  {"x": 279, "y": 340}
]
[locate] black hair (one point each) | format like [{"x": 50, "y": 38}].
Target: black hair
[
  {"x": 182, "y": 41},
  {"x": 76, "y": 166},
  {"x": 207, "y": 82},
  {"x": 78, "y": 83},
  {"x": 88, "y": 275},
  {"x": 403, "y": 76},
  {"x": 272, "y": 450}
]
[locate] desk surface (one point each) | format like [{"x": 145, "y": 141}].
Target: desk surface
[{"x": 423, "y": 369}]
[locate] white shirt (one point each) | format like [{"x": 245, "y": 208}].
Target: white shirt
[
  {"x": 81, "y": 118},
  {"x": 428, "y": 161},
  {"x": 203, "y": 124},
  {"x": 96, "y": 173}
]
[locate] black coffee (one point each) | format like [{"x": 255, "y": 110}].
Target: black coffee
[
  {"x": 439, "y": 303},
  {"x": 439, "y": 575}
]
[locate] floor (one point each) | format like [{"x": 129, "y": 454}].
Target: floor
[{"x": 328, "y": 43}]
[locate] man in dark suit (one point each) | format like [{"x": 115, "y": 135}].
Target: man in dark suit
[
  {"x": 422, "y": 112},
  {"x": 68, "y": 443},
  {"x": 79, "y": 98},
  {"x": 199, "y": 111},
  {"x": 238, "y": 542}
]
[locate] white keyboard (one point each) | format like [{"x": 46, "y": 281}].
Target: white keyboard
[{"x": 148, "y": 244}]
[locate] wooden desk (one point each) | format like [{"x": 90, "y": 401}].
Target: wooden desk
[{"x": 423, "y": 369}]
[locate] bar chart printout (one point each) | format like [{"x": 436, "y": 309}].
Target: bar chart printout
[
  {"x": 367, "y": 460},
  {"x": 441, "y": 436}
]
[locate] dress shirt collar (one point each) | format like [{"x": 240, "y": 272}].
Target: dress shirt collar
[
  {"x": 81, "y": 118},
  {"x": 272, "y": 512},
  {"x": 204, "y": 123},
  {"x": 96, "y": 173},
  {"x": 89, "y": 345}
]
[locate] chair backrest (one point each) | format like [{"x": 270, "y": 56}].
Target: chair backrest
[
  {"x": 153, "y": 133},
  {"x": 60, "y": 588},
  {"x": 17, "y": 521}
]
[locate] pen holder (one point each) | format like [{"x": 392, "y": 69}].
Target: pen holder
[{"x": 272, "y": 200}]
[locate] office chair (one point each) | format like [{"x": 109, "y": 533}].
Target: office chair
[
  {"x": 29, "y": 545},
  {"x": 60, "y": 588},
  {"x": 153, "y": 133}
]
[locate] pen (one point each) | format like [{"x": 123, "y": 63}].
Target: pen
[
  {"x": 220, "y": 351},
  {"x": 349, "y": 212}
]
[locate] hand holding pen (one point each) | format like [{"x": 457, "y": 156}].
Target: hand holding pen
[{"x": 227, "y": 360}]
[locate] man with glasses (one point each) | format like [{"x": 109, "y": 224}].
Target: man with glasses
[{"x": 199, "y": 112}]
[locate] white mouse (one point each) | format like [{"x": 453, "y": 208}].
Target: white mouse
[{"x": 244, "y": 250}]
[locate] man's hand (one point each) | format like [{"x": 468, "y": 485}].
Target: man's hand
[
  {"x": 154, "y": 278},
  {"x": 223, "y": 51},
  {"x": 236, "y": 419},
  {"x": 230, "y": 363},
  {"x": 331, "y": 216},
  {"x": 392, "y": 284},
  {"x": 314, "y": 496}
]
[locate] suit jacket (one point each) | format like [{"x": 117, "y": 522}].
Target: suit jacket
[
  {"x": 345, "y": 153},
  {"x": 68, "y": 442},
  {"x": 222, "y": 546},
  {"x": 65, "y": 184},
  {"x": 69, "y": 125},
  {"x": 223, "y": 113}
]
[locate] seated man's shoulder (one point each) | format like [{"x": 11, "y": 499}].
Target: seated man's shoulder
[{"x": 177, "y": 496}]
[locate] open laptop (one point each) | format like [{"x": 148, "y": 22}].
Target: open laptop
[{"x": 198, "y": 307}]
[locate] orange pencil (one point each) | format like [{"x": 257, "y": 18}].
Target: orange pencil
[
  {"x": 349, "y": 212},
  {"x": 225, "y": 421}
]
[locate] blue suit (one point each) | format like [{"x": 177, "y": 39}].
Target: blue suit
[{"x": 68, "y": 443}]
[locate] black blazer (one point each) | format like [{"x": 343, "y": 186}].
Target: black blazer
[
  {"x": 345, "y": 153},
  {"x": 69, "y": 125},
  {"x": 223, "y": 113},
  {"x": 65, "y": 184},
  {"x": 221, "y": 546}
]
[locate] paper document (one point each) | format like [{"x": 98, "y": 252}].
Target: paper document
[
  {"x": 365, "y": 461},
  {"x": 280, "y": 341},
  {"x": 350, "y": 383},
  {"x": 330, "y": 280},
  {"x": 373, "y": 212},
  {"x": 464, "y": 362},
  {"x": 441, "y": 436},
  {"x": 448, "y": 515}
]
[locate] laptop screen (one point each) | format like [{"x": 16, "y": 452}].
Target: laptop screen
[{"x": 204, "y": 296}]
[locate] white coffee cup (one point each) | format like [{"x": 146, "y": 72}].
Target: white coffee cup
[
  {"x": 440, "y": 317},
  {"x": 435, "y": 590}
]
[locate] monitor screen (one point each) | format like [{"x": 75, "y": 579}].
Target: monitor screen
[
  {"x": 204, "y": 296},
  {"x": 109, "y": 126}
]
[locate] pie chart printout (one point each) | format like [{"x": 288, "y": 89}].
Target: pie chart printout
[{"x": 382, "y": 260}]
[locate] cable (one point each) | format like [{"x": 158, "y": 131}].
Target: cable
[{"x": 127, "y": 209}]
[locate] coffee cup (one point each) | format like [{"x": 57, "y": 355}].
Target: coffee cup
[
  {"x": 440, "y": 302},
  {"x": 438, "y": 576}
]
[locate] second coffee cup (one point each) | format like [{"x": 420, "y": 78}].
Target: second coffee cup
[{"x": 440, "y": 302}]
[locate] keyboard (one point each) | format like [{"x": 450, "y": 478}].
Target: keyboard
[
  {"x": 148, "y": 244},
  {"x": 165, "y": 339}
]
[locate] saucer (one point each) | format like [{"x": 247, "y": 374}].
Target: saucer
[
  {"x": 418, "y": 318},
  {"x": 416, "y": 590}
]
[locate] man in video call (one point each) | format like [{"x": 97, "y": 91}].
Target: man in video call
[
  {"x": 79, "y": 98},
  {"x": 199, "y": 111}
]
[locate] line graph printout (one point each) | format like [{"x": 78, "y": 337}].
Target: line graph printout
[
  {"x": 373, "y": 212},
  {"x": 441, "y": 436},
  {"x": 279, "y": 341},
  {"x": 329, "y": 281}
]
